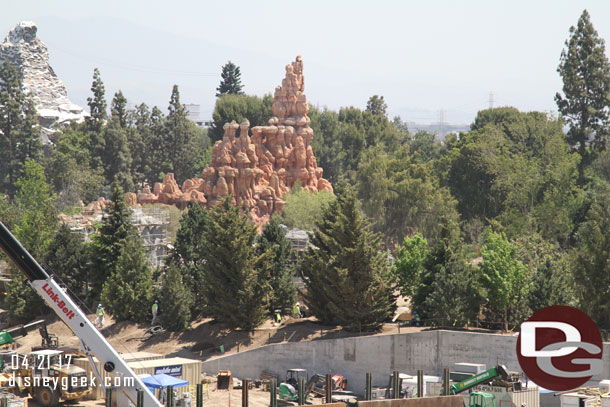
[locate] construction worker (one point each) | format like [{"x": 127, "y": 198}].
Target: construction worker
[
  {"x": 415, "y": 321},
  {"x": 155, "y": 310},
  {"x": 296, "y": 310},
  {"x": 278, "y": 317},
  {"x": 99, "y": 322}
]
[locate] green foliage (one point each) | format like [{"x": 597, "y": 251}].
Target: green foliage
[
  {"x": 236, "y": 289},
  {"x": 303, "y": 208},
  {"x": 409, "y": 265},
  {"x": 403, "y": 196},
  {"x": 273, "y": 241},
  {"x": 517, "y": 168},
  {"x": 591, "y": 263},
  {"x": 118, "y": 109},
  {"x": 117, "y": 158},
  {"x": 376, "y": 105},
  {"x": 176, "y": 301},
  {"x": 504, "y": 277},
  {"x": 127, "y": 292},
  {"x": 97, "y": 103},
  {"x": 19, "y": 130},
  {"x": 446, "y": 289},
  {"x": 107, "y": 245},
  {"x": 585, "y": 104},
  {"x": 67, "y": 257},
  {"x": 188, "y": 255},
  {"x": 70, "y": 170},
  {"x": 35, "y": 227},
  {"x": 347, "y": 273},
  {"x": 231, "y": 80},
  {"x": 239, "y": 107}
]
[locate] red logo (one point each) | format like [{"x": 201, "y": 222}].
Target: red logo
[
  {"x": 60, "y": 303},
  {"x": 560, "y": 348}
]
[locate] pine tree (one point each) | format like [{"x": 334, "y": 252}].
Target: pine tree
[
  {"x": 585, "y": 71},
  {"x": 34, "y": 228},
  {"x": 235, "y": 290},
  {"x": 117, "y": 157},
  {"x": 67, "y": 258},
  {"x": 118, "y": 109},
  {"x": 176, "y": 301},
  {"x": 273, "y": 239},
  {"x": 108, "y": 243},
  {"x": 231, "y": 80},
  {"x": 188, "y": 255},
  {"x": 97, "y": 103},
  {"x": 347, "y": 273},
  {"x": 376, "y": 105},
  {"x": 127, "y": 293},
  {"x": 19, "y": 130}
]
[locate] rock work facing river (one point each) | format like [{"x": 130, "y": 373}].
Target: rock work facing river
[
  {"x": 256, "y": 166},
  {"x": 29, "y": 55}
]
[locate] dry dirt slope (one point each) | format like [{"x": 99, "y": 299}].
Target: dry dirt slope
[{"x": 202, "y": 340}]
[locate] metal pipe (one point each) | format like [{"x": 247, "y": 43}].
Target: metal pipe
[
  {"x": 109, "y": 397},
  {"x": 301, "y": 390},
  {"x": 396, "y": 385},
  {"x": 199, "y": 395},
  {"x": 368, "y": 394},
  {"x": 244, "y": 392},
  {"x": 446, "y": 381},
  {"x": 140, "y": 398},
  {"x": 170, "y": 396},
  {"x": 273, "y": 391},
  {"x": 329, "y": 389},
  {"x": 420, "y": 383}
]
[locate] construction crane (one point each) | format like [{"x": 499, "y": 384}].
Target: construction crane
[
  {"x": 487, "y": 376},
  {"x": 92, "y": 341}
]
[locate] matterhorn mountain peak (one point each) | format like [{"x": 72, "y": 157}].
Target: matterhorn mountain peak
[{"x": 29, "y": 55}]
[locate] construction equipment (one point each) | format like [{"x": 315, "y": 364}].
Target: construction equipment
[
  {"x": 92, "y": 341},
  {"x": 498, "y": 372},
  {"x": 292, "y": 376},
  {"x": 71, "y": 381},
  {"x": 478, "y": 399},
  {"x": 8, "y": 336},
  {"x": 288, "y": 389}
]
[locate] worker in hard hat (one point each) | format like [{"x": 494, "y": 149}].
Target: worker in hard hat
[
  {"x": 155, "y": 311},
  {"x": 99, "y": 322},
  {"x": 278, "y": 317},
  {"x": 296, "y": 310}
]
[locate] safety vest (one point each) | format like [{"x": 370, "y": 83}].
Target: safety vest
[
  {"x": 100, "y": 311},
  {"x": 155, "y": 307}
]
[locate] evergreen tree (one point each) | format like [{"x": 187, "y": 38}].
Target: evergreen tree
[
  {"x": 236, "y": 291},
  {"x": 376, "y": 105},
  {"x": 118, "y": 109},
  {"x": 347, "y": 274},
  {"x": 97, "y": 103},
  {"x": 117, "y": 157},
  {"x": 67, "y": 258},
  {"x": 447, "y": 288},
  {"x": 585, "y": 71},
  {"x": 127, "y": 292},
  {"x": 19, "y": 130},
  {"x": 273, "y": 240},
  {"x": 231, "y": 80},
  {"x": 107, "y": 245},
  {"x": 188, "y": 255},
  {"x": 35, "y": 227},
  {"x": 176, "y": 301},
  {"x": 237, "y": 107}
]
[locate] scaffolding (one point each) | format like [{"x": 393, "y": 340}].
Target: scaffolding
[{"x": 152, "y": 223}]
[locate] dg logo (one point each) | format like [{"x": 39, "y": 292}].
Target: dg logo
[{"x": 560, "y": 348}]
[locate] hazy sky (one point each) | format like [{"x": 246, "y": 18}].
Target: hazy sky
[{"x": 422, "y": 56}]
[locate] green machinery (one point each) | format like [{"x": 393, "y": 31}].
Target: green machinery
[
  {"x": 479, "y": 399},
  {"x": 487, "y": 376}
]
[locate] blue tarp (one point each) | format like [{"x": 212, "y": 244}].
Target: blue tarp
[{"x": 163, "y": 380}]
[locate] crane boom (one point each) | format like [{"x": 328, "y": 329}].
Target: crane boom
[
  {"x": 61, "y": 303},
  {"x": 483, "y": 377}
]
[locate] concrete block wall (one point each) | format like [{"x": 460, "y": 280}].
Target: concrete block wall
[{"x": 354, "y": 357}]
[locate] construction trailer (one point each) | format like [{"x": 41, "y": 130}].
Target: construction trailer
[{"x": 144, "y": 363}]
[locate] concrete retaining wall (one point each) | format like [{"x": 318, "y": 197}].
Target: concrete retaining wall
[{"x": 354, "y": 357}]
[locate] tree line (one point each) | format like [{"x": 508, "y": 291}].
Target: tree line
[{"x": 486, "y": 226}]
